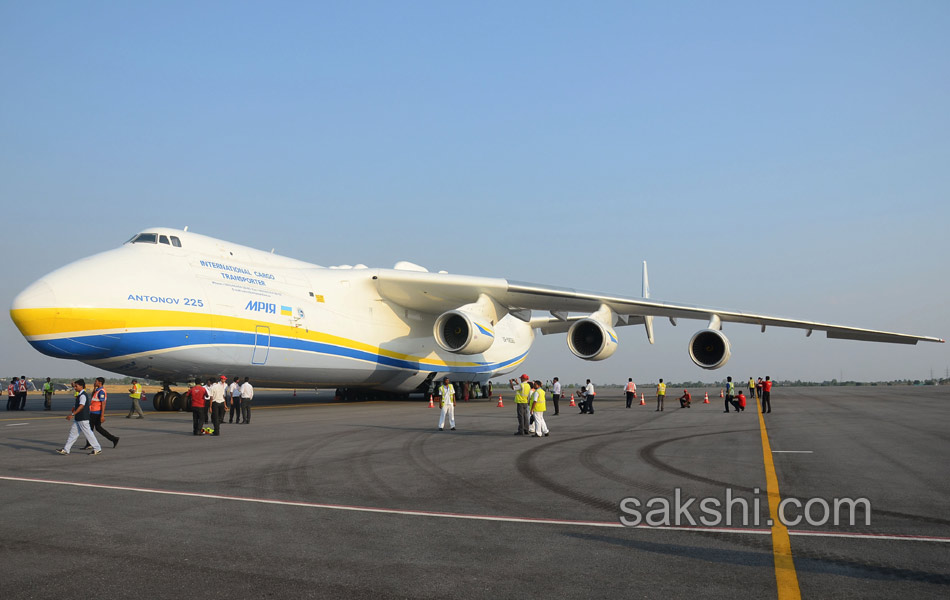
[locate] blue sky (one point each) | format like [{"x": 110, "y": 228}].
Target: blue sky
[{"x": 788, "y": 160}]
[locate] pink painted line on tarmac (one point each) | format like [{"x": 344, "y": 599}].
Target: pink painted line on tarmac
[
  {"x": 476, "y": 517},
  {"x": 369, "y": 509}
]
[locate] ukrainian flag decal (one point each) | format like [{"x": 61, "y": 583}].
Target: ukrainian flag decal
[{"x": 286, "y": 311}]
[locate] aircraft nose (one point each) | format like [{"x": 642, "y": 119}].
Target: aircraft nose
[
  {"x": 38, "y": 295},
  {"x": 31, "y": 307},
  {"x": 57, "y": 329},
  {"x": 34, "y": 312}
]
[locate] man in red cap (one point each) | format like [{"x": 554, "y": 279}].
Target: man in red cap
[
  {"x": 685, "y": 399},
  {"x": 522, "y": 393}
]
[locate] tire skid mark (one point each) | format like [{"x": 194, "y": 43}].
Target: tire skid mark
[
  {"x": 414, "y": 448},
  {"x": 589, "y": 456},
  {"x": 525, "y": 466}
]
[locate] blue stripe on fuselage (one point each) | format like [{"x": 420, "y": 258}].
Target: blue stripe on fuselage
[{"x": 114, "y": 346}]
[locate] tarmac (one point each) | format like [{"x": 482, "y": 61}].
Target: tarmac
[{"x": 319, "y": 499}]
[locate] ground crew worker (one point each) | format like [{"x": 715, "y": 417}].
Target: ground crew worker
[
  {"x": 80, "y": 417},
  {"x": 740, "y": 402},
  {"x": 751, "y": 387},
  {"x": 758, "y": 388},
  {"x": 21, "y": 392},
  {"x": 207, "y": 386},
  {"x": 135, "y": 394},
  {"x": 247, "y": 395},
  {"x": 234, "y": 393},
  {"x": 590, "y": 394},
  {"x": 556, "y": 396},
  {"x": 730, "y": 392},
  {"x": 660, "y": 395},
  {"x": 767, "y": 395},
  {"x": 631, "y": 391},
  {"x": 538, "y": 407},
  {"x": 48, "y": 395},
  {"x": 522, "y": 391},
  {"x": 685, "y": 399},
  {"x": 199, "y": 408},
  {"x": 447, "y": 403},
  {"x": 97, "y": 412},
  {"x": 219, "y": 400},
  {"x": 11, "y": 394}
]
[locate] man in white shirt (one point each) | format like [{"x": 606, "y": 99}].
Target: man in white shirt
[
  {"x": 556, "y": 395},
  {"x": 247, "y": 394},
  {"x": 218, "y": 394},
  {"x": 80, "y": 417},
  {"x": 447, "y": 391},
  {"x": 234, "y": 392},
  {"x": 590, "y": 395}
]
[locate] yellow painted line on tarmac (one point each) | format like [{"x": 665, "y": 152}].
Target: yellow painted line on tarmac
[
  {"x": 786, "y": 579},
  {"x": 61, "y": 415}
]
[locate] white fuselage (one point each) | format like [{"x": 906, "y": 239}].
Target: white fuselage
[{"x": 209, "y": 307}]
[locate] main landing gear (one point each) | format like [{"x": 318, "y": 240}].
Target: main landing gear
[{"x": 170, "y": 400}]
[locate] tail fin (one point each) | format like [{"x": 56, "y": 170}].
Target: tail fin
[{"x": 647, "y": 320}]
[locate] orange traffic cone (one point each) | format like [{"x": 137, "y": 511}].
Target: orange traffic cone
[
  {"x": 721, "y": 395},
  {"x": 431, "y": 404},
  {"x": 572, "y": 400},
  {"x": 500, "y": 403},
  {"x": 706, "y": 399},
  {"x": 642, "y": 402}
]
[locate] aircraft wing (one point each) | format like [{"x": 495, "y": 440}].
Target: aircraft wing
[{"x": 438, "y": 292}]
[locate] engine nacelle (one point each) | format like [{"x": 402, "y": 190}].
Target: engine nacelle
[
  {"x": 591, "y": 340},
  {"x": 709, "y": 349},
  {"x": 462, "y": 332}
]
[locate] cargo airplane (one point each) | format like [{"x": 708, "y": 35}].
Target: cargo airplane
[{"x": 173, "y": 305}]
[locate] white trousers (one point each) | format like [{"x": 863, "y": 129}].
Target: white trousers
[
  {"x": 74, "y": 430},
  {"x": 540, "y": 427},
  {"x": 447, "y": 408}
]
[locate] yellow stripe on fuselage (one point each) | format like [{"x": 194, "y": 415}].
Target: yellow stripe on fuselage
[{"x": 47, "y": 323}]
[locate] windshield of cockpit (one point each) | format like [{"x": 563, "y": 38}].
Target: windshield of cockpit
[{"x": 155, "y": 238}]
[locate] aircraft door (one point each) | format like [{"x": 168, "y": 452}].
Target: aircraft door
[{"x": 261, "y": 345}]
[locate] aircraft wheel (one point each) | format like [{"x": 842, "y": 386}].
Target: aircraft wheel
[
  {"x": 166, "y": 402},
  {"x": 157, "y": 399},
  {"x": 175, "y": 401}
]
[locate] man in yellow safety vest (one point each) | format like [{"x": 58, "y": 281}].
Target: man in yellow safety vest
[
  {"x": 48, "y": 395},
  {"x": 522, "y": 392},
  {"x": 135, "y": 393},
  {"x": 538, "y": 407}
]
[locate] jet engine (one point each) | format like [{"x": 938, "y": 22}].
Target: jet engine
[
  {"x": 467, "y": 329},
  {"x": 709, "y": 349},
  {"x": 590, "y": 339}
]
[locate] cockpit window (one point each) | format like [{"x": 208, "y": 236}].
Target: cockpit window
[
  {"x": 164, "y": 239},
  {"x": 176, "y": 242},
  {"x": 145, "y": 238}
]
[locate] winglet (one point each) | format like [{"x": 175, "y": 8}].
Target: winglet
[{"x": 648, "y": 319}]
